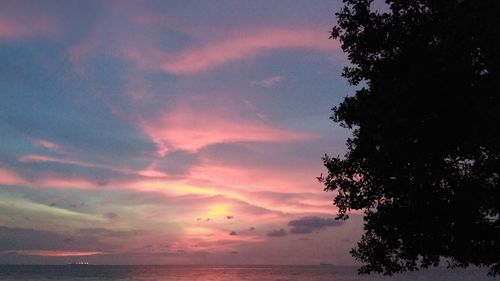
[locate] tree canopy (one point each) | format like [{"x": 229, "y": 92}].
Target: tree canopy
[{"x": 423, "y": 162}]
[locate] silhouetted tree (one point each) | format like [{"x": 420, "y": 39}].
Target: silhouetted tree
[{"x": 424, "y": 159}]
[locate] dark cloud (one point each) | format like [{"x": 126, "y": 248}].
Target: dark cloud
[
  {"x": 229, "y": 217},
  {"x": 111, "y": 216},
  {"x": 84, "y": 239},
  {"x": 233, "y": 233},
  {"x": 309, "y": 224},
  {"x": 252, "y": 228},
  {"x": 29, "y": 239},
  {"x": 277, "y": 233}
]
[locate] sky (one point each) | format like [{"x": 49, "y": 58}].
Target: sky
[{"x": 183, "y": 132}]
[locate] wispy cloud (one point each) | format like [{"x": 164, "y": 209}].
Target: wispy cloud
[
  {"x": 32, "y": 158},
  {"x": 27, "y": 206},
  {"x": 50, "y": 253},
  {"x": 9, "y": 177},
  {"x": 270, "y": 82},
  {"x": 246, "y": 45},
  {"x": 191, "y": 127},
  {"x": 48, "y": 145}
]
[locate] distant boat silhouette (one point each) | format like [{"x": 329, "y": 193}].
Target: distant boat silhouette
[{"x": 79, "y": 263}]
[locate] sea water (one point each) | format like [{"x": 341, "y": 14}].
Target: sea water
[{"x": 223, "y": 273}]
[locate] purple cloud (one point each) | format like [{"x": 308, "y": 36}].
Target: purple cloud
[{"x": 309, "y": 224}]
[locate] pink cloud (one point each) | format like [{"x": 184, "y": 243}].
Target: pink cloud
[
  {"x": 63, "y": 182},
  {"x": 198, "y": 121},
  {"x": 244, "y": 191},
  {"x": 191, "y": 131},
  {"x": 226, "y": 44},
  {"x": 245, "y": 45},
  {"x": 220, "y": 241},
  {"x": 48, "y": 145},
  {"x": 8, "y": 29},
  {"x": 18, "y": 22},
  {"x": 8, "y": 177},
  {"x": 212, "y": 186},
  {"x": 49, "y": 253},
  {"x": 254, "y": 178}
]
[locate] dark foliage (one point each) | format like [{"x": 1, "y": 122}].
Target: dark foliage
[{"x": 424, "y": 159}]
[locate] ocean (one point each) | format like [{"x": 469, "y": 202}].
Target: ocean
[{"x": 223, "y": 273}]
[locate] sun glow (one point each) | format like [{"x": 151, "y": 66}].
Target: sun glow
[
  {"x": 218, "y": 210},
  {"x": 198, "y": 231}
]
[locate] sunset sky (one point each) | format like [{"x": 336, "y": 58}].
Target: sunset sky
[{"x": 169, "y": 132}]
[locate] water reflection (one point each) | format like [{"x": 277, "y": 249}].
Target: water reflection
[
  {"x": 223, "y": 273},
  {"x": 238, "y": 273}
]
